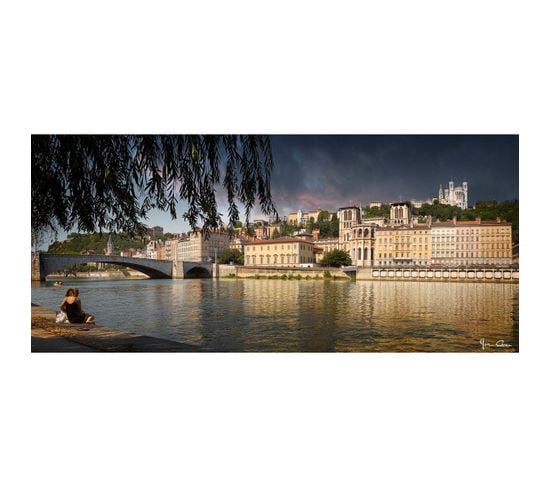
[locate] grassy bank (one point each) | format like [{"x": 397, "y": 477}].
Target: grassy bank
[{"x": 326, "y": 276}]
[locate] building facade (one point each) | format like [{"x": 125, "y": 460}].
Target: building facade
[
  {"x": 400, "y": 213},
  {"x": 197, "y": 247},
  {"x": 300, "y": 217},
  {"x": 484, "y": 242},
  {"x": 279, "y": 252},
  {"x": 357, "y": 236},
  {"x": 400, "y": 245},
  {"x": 443, "y": 237}
]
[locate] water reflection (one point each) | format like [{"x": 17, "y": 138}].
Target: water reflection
[{"x": 277, "y": 315}]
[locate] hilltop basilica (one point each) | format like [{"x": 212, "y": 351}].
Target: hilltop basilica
[{"x": 454, "y": 195}]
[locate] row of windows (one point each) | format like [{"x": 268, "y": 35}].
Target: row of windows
[
  {"x": 278, "y": 259},
  {"x": 468, "y": 260},
  {"x": 400, "y": 255},
  {"x": 403, "y": 239},
  {"x": 403, "y": 247},
  {"x": 362, "y": 232},
  {"x": 282, "y": 247},
  {"x": 494, "y": 254}
]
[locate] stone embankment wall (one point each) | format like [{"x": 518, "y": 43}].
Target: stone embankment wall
[
  {"x": 226, "y": 270},
  {"x": 487, "y": 275}
]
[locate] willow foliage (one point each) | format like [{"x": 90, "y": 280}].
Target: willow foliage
[{"x": 110, "y": 182}]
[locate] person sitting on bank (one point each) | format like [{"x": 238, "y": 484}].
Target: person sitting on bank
[
  {"x": 90, "y": 318},
  {"x": 72, "y": 306}
]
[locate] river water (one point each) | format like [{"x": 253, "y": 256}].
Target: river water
[{"x": 300, "y": 316}]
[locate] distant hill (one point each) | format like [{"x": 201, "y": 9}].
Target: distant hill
[{"x": 96, "y": 243}]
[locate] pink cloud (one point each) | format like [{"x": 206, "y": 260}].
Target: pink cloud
[{"x": 310, "y": 201}]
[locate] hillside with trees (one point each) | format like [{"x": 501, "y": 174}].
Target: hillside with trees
[{"x": 97, "y": 243}]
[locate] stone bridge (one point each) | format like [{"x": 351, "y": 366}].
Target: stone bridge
[{"x": 44, "y": 264}]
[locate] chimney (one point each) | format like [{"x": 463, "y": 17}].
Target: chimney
[
  {"x": 478, "y": 220},
  {"x": 498, "y": 220},
  {"x": 454, "y": 219},
  {"x": 429, "y": 220}
]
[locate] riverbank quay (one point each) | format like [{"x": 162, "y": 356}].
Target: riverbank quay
[
  {"x": 275, "y": 272},
  {"x": 47, "y": 336},
  {"x": 444, "y": 275}
]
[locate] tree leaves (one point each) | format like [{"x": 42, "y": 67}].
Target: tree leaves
[{"x": 103, "y": 182}]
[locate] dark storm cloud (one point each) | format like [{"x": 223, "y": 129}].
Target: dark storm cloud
[{"x": 332, "y": 171}]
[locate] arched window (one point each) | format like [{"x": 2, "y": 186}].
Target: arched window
[
  {"x": 359, "y": 233},
  {"x": 366, "y": 253},
  {"x": 354, "y": 233},
  {"x": 366, "y": 233},
  {"x": 358, "y": 254}
]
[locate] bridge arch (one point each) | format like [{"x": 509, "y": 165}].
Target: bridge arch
[
  {"x": 154, "y": 268},
  {"x": 192, "y": 269}
]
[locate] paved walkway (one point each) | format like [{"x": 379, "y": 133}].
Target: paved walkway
[{"x": 47, "y": 336}]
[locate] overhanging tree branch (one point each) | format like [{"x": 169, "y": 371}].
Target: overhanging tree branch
[{"x": 102, "y": 182}]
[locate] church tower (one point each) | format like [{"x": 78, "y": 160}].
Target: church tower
[
  {"x": 400, "y": 213},
  {"x": 348, "y": 217}
]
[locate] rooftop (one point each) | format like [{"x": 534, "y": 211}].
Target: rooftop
[
  {"x": 278, "y": 241},
  {"x": 466, "y": 223}
]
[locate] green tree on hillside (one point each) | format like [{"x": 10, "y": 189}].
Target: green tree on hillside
[{"x": 383, "y": 211}]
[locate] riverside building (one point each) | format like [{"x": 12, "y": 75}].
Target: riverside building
[
  {"x": 279, "y": 252},
  {"x": 402, "y": 242},
  {"x": 197, "y": 247},
  {"x": 483, "y": 242},
  {"x": 403, "y": 245}
]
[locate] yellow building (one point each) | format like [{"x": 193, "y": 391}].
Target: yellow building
[
  {"x": 279, "y": 252},
  {"x": 300, "y": 217},
  {"x": 484, "y": 242},
  {"x": 403, "y": 245}
]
